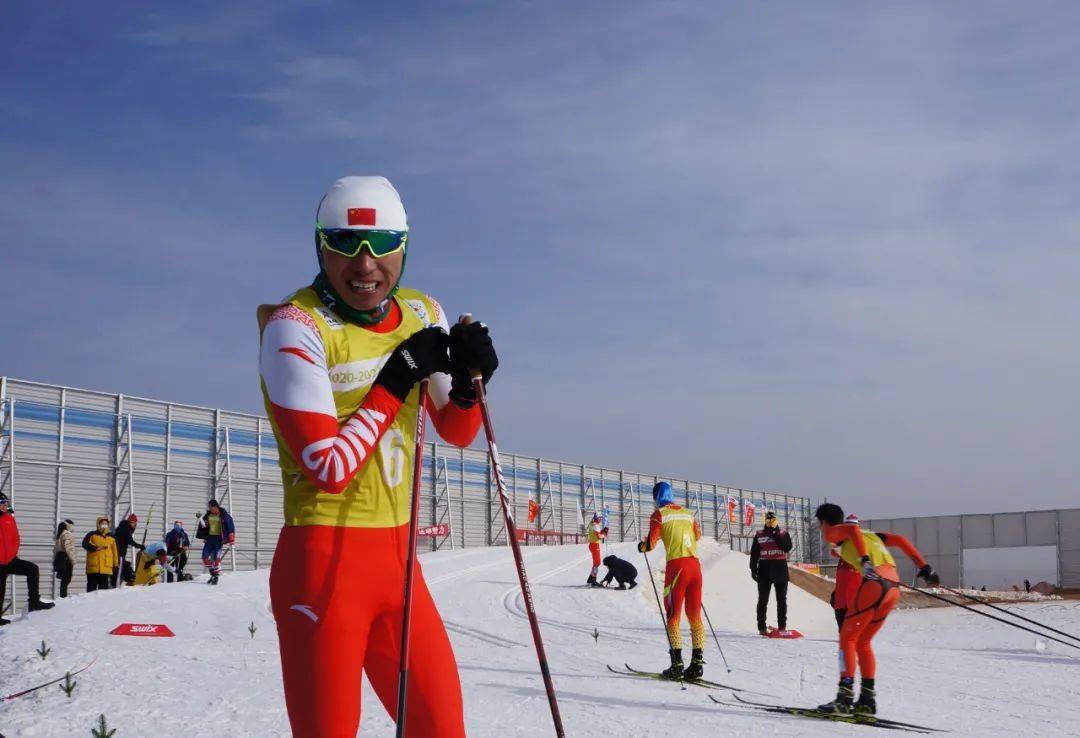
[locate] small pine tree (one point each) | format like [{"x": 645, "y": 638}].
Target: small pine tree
[
  {"x": 102, "y": 730},
  {"x": 596, "y": 634},
  {"x": 69, "y": 685},
  {"x": 43, "y": 651},
  {"x": 252, "y": 629}
]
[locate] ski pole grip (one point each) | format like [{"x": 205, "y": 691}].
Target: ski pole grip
[{"x": 466, "y": 319}]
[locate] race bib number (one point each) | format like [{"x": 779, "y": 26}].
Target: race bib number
[{"x": 394, "y": 456}]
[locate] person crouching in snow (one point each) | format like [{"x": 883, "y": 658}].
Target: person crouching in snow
[
  {"x": 150, "y": 563},
  {"x": 876, "y": 596},
  {"x": 596, "y": 535},
  {"x": 676, "y": 527},
  {"x": 216, "y": 529},
  {"x": 621, "y": 571}
]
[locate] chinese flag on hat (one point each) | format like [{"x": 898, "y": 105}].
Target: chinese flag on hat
[{"x": 361, "y": 217}]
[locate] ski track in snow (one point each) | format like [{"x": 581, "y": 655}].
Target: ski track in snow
[{"x": 942, "y": 667}]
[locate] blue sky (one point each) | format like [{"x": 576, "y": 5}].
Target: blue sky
[{"x": 823, "y": 248}]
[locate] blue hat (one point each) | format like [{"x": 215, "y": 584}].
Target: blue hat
[{"x": 662, "y": 494}]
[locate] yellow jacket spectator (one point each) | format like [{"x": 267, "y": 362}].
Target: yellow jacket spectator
[{"x": 101, "y": 556}]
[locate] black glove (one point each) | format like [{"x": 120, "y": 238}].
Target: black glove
[
  {"x": 641, "y": 547},
  {"x": 868, "y": 569},
  {"x": 753, "y": 575},
  {"x": 604, "y": 530},
  {"x": 414, "y": 359},
  {"x": 470, "y": 349},
  {"x": 929, "y": 575}
]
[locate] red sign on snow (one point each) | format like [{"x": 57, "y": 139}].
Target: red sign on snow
[
  {"x": 361, "y": 216},
  {"x": 434, "y": 531},
  {"x": 142, "y": 629}
]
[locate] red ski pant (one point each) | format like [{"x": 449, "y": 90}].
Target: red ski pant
[
  {"x": 682, "y": 590},
  {"x": 867, "y": 610},
  {"x": 594, "y": 549},
  {"x": 337, "y": 597}
]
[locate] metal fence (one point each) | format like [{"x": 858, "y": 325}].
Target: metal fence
[
  {"x": 73, "y": 453},
  {"x": 943, "y": 539}
]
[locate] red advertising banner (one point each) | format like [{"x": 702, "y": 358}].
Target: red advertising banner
[
  {"x": 434, "y": 531},
  {"x": 748, "y": 514},
  {"x": 142, "y": 629},
  {"x": 534, "y": 510}
]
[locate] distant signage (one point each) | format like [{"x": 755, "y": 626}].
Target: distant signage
[
  {"x": 434, "y": 531},
  {"x": 147, "y": 630}
]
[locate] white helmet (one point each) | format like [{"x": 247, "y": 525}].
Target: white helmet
[
  {"x": 852, "y": 518},
  {"x": 362, "y": 203}
]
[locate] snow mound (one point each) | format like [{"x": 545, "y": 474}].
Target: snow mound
[{"x": 946, "y": 667}]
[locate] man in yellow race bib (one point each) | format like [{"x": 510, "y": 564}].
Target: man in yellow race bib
[
  {"x": 678, "y": 529},
  {"x": 340, "y": 362}
]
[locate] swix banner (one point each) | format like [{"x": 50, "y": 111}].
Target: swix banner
[
  {"x": 142, "y": 629},
  {"x": 434, "y": 531},
  {"x": 732, "y": 506},
  {"x": 748, "y": 513}
]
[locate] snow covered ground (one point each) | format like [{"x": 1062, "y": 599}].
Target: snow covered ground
[{"x": 941, "y": 667}]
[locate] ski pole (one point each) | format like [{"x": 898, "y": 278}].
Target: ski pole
[
  {"x": 410, "y": 560},
  {"x": 659, "y": 607},
  {"x": 1008, "y": 612},
  {"x": 717, "y": 640},
  {"x": 511, "y": 533},
  {"x": 986, "y": 614}
]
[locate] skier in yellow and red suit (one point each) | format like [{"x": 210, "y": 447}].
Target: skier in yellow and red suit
[
  {"x": 340, "y": 363},
  {"x": 596, "y": 535},
  {"x": 867, "y": 552},
  {"x": 679, "y": 530}
]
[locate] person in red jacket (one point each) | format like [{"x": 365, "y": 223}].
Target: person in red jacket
[{"x": 10, "y": 563}]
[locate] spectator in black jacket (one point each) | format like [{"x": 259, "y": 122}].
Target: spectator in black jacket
[
  {"x": 621, "y": 571},
  {"x": 125, "y": 536},
  {"x": 768, "y": 567},
  {"x": 176, "y": 545}
]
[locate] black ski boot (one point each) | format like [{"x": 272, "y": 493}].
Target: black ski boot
[
  {"x": 866, "y": 705},
  {"x": 696, "y": 670},
  {"x": 675, "y": 671},
  {"x": 4, "y": 621},
  {"x": 844, "y": 695},
  {"x": 36, "y": 605},
  {"x": 213, "y": 579},
  {"x": 591, "y": 581}
]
